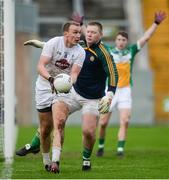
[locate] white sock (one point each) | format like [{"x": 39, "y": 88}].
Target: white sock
[
  {"x": 101, "y": 146},
  {"x": 56, "y": 152},
  {"x": 120, "y": 149},
  {"x": 46, "y": 158}
]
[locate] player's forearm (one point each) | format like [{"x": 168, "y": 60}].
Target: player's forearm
[
  {"x": 43, "y": 72},
  {"x": 41, "y": 68},
  {"x": 35, "y": 43},
  {"x": 73, "y": 78},
  {"x": 148, "y": 34},
  {"x": 75, "y": 72},
  {"x": 41, "y": 44}
]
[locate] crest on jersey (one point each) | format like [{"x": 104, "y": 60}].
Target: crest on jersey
[
  {"x": 62, "y": 64},
  {"x": 65, "y": 54},
  {"x": 92, "y": 58}
]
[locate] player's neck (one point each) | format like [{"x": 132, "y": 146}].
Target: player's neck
[
  {"x": 119, "y": 49},
  {"x": 92, "y": 43},
  {"x": 68, "y": 44}
]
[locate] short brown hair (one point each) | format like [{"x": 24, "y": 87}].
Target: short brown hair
[
  {"x": 95, "y": 23},
  {"x": 123, "y": 33},
  {"x": 68, "y": 24}
]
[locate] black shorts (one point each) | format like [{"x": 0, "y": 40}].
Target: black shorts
[{"x": 47, "y": 109}]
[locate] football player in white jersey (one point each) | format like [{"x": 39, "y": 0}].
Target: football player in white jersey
[
  {"x": 123, "y": 56},
  {"x": 59, "y": 55}
]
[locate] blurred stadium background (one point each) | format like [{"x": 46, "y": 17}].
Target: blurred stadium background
[{"x": 43, "y": 19}]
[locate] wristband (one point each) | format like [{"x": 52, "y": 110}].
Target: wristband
[
  {"x": 156, "y": 22},
  {"x": 51, "y": 79},
  {"x": 110, "y": 94}
]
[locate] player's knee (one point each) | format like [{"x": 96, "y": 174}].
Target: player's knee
[
  {"x": 125, "y": 121},
  {"x": 60, "y": 125},
  {"x": 103, "y": 123},
  {"x": 59, "y": 121},
  {"x": 89, "y": 133}
]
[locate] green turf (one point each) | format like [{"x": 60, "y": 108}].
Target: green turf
[{"x": 146, "y": 156}]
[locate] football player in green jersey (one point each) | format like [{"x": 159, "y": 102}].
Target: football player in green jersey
[{"x": 123, "y": 56}]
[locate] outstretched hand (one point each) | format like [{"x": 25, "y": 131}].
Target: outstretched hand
[
  {"x": 77, "y": 18},
  {"x": 159, "y": 17},
  {"x": 35, "y": 43}
]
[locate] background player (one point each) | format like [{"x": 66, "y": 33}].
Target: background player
[{"x": 124, "y": 58}]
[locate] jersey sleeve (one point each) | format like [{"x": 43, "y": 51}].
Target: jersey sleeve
[
  {"x": 134, "y": 49},
  {"x": 110, "y": 69},
  {"x": 112, "y": 87},
  {"x": 48, "y": 48}
]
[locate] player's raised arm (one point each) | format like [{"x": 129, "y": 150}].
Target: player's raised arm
[
  {"x": 158, "y": 18},
  {"x": 35, "y": 43}
]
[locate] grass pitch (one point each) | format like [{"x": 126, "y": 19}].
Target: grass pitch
[{"x": 146, "y": 156}]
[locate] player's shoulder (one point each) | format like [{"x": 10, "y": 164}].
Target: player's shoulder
[
  {"x": 78, "y": 47},
  {"x": 113, "y": 48},
  {"x": 131, "y": 46},
  {"x": 55, "y": 40},
  {"x": 103, "y": 44},
  {"x": 78, "y": 50},
  {"x": 110, "y": 48},
  {"x": 134, "y": 48},
  {"x": 104, "y": 47}
]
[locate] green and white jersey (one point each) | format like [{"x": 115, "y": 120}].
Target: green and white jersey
[{"x": 124, "y": 62}]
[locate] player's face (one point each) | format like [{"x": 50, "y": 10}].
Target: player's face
[
  {"x": 121, "y": 42},
  {"x": 93, "y": 35},
  {"x": 73, "y": 35}
]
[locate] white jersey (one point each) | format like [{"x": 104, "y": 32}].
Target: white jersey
[{"x": 61, "y": 58}]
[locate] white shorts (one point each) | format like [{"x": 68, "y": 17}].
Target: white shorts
[
  {"x": 76, "y": 102},
  {"x": 43, "y": 94},
  {"x": 122, "y": 99}
]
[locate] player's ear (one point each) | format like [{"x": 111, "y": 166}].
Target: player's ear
[{"x": 101, "y": 33}]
